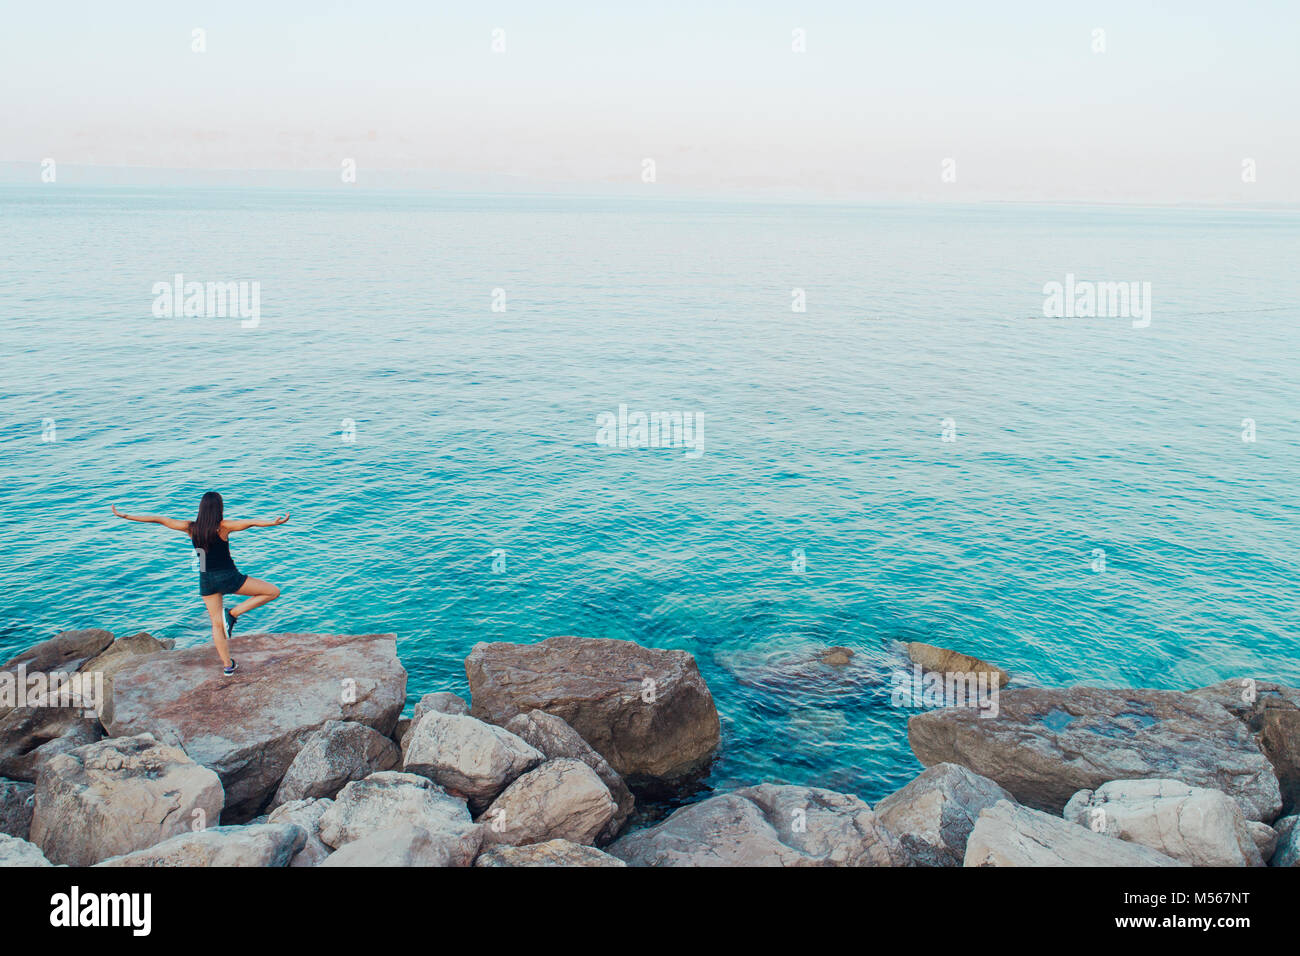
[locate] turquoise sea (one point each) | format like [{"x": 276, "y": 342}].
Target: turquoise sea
[{"x": 474, "y": 431}]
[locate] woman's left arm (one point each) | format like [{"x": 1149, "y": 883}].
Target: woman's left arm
[{"x": 240, "y": 524}]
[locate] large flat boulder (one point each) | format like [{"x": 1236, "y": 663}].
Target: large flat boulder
[
  {"x": 767, "y": 825},
  {"x": 549, "y": 853},
  {"x": 1045, "y": 745},
  {"x": 1271, "y": 712},
  {"x": 1010, "y": 835},
  {"x": 467, "y": 756},
  {"x": 646, "y": 711},
  {"x": 261, "y": 844},
  {"x": 120, "y": 795},
  {"x": 556, "y": 739},
  {"x": 1201, "y": 827},
  {"x": 114, "y": 657},
  {"x": 339, "y": 752},
  {"x": 933, "y": 815},
  {"x": 562, "y": 799},
  {"x": 249, "y": 727}
]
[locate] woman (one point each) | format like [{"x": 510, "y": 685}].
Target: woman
[{"x": 210, "y": 533}]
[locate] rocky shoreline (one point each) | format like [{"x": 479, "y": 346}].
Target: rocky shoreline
[{"x": 128, "y": 752}]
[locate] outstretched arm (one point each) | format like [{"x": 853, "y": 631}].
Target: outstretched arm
[
  {"x": 174, "y": 523},
  {"x": 240, "y": 524}
]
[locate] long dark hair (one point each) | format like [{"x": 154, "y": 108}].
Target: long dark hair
[{"x": 204, "y": 527}]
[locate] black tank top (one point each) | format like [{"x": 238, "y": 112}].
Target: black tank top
[{"x": 218, "y": 556}]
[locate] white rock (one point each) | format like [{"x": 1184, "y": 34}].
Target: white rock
[
  {"x": 933, "y": 815},
  {"x": 1199, "y": 826},
  {"x": 468, "y": 756},
  {"x": 386, "y": 800},
  {"x": 261, "y": 844},
  {"x": 1010, "y": 835},
  {"x": 563, "y": 799},
  {"x": 18, "y": 852},
  {"x": 119, "y": 795},
  {"x": 402, "y": 845}
]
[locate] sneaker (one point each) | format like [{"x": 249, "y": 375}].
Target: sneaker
[
  {"x": 234, "y": 666},
  {"x": 230, "y": 623}
]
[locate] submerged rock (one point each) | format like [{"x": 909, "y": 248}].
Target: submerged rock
[
  {"x": 933, "y": 815},
  {"x": 1045, "y": 745},
  {"x": 468, "y": 756},
  {"x": 555, "y": 739},
  {"x": 808, "y": 675},
  {"x": 261, "y": 844},
  {"x": 120, "y": 795},
  {"x": 336, "y": 754},
  {"x": 767, "y": 825},
  {"x": 1201, "y": 827},
  {"x": 943, "y": 661},
  {"x": 550, "y": 853},
  {"x": 562, "y": 799},
  {"x": 1010, "y": 835},
  {"x": 648, "y": 712},
  {"x": 250, "y": 727}
]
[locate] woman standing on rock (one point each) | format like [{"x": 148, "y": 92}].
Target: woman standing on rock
[{"x": 210, "y": 533}]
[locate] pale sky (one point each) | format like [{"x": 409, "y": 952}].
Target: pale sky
[{"x": 712, "y": 92}]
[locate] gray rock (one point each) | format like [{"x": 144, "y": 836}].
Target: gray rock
[
  {"x": 263, "y": 844},
  {"x": 120, "y": 795},
  {"x": 467, "y": 756},
  {"x": 646, "y": 711},
  {"x": 15, "y": 851},
  {"x": 1045, "y": 745},
  {"x": 444, "y": 702},
  {"x": 386, "y": 800},
  {"x": 1288, "y": 842},
  {"x": 562, "y": 799},
  {"x": 767, "y": 825},
  {"x": 933, "y": 815},
  {"x": 249, "y": 727},
  {"x": 1271, "y": 712},
  {"x": 17, "y": 798},
  {"x": 556, "y": 739},
  {"x": 550, "y": 853},
  {"x": 31, "y": 736},
  {"x": 336, "y": 754},
  {"x": 64, "y": 652},
  {"x": 1201, "y": 827},
  {"x": 109, "y": 661},
  {"x": 1265, "y": 838},
  {"x": 1010, "y": 835},
  {"x": 305, "y": 814},
  {"x": 403, "y": 845}
]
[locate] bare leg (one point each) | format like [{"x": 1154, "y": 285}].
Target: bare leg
[
  {"x": 213, "y": 603},
  {"x": 261, "y": 593}
]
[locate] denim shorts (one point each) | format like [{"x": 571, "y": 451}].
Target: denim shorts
[{"x": 221, "y": 582}]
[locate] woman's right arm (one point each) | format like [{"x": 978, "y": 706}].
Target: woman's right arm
[{"x": 174, "y": 523}]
